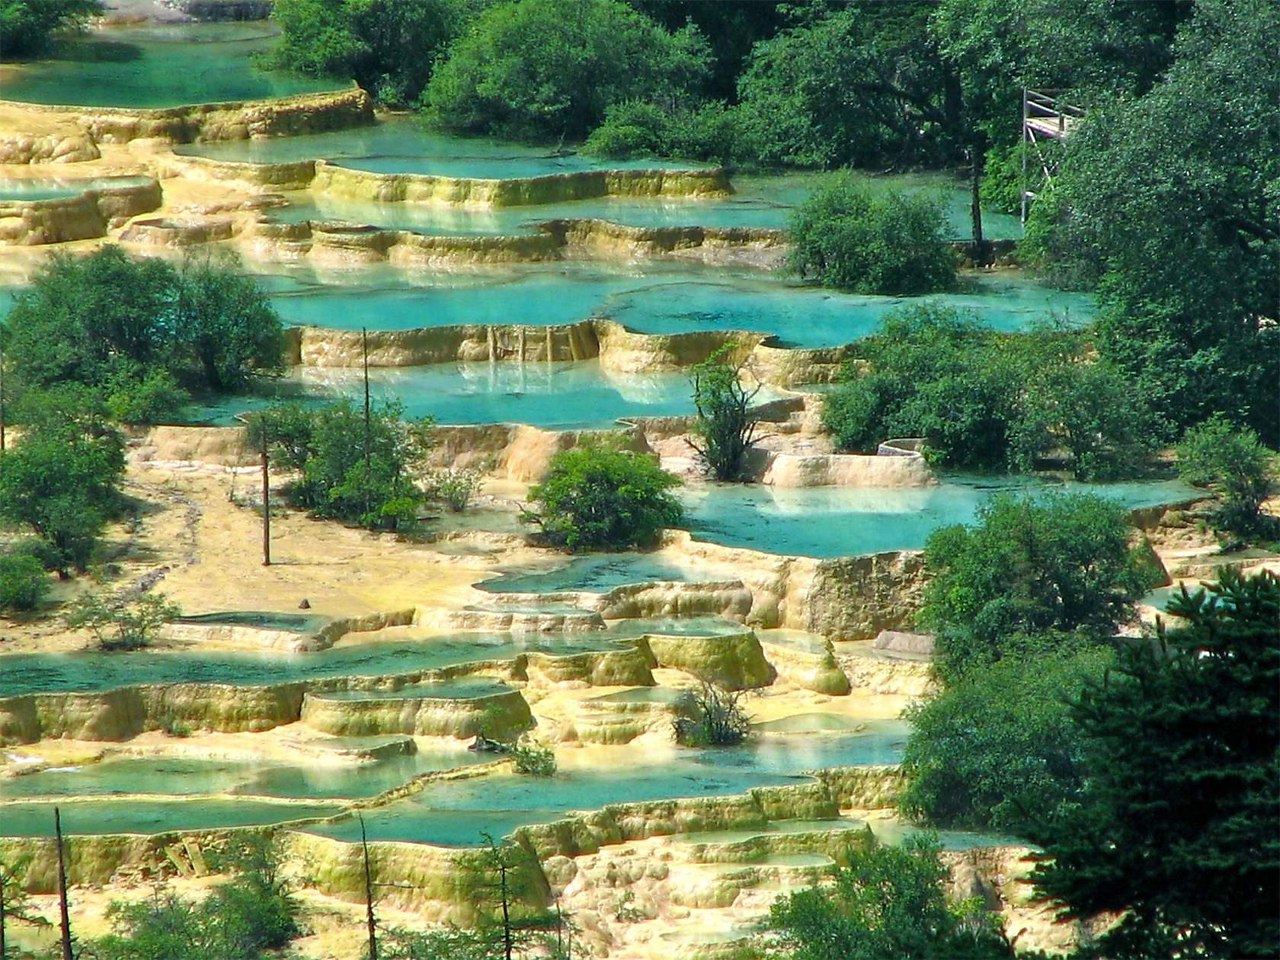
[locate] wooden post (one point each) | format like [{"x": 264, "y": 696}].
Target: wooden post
[
  {"x": 1026, "y": 151},
  {"x": 266, "y": 499},
  {"x": 64, "y": 913},
  {"x": 4, "y": 885},
  {"x": 368, "y": 429},
  {"x": 370, "y": 919}
]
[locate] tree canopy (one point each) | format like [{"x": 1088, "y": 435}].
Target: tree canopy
[
  {"x": 1176, "y": 827},
  {"x": 27, "y": 27}
]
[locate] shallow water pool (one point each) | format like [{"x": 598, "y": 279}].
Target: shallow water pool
[
  {"x": 157, "y": 66},
  {"x": 661, "y": 300},
  {"x": 147, "y": 816},
  {"x": 406, "y": 145},
  {"x": 561, "y": 396},
  {"x": 598, "y": 573},
  {"x": 843, "y": 521}
]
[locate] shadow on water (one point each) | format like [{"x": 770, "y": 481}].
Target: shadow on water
[{"x": 99, "y": 51}]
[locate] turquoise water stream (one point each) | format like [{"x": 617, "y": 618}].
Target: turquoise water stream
[{"x": 157, "y": 66}]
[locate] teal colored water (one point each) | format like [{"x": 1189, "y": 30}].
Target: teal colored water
[
  {"x": 841, "y": 521},
  {"x": 93, "y": 671},
  {"x": 455, "y": 813},
  {"x": 184, "y": 777},
  {"x": 50, "y": 188},
  {"x": 821, "y": 723},
  {"x": 896, "y": 832},
  {"x": 598, "y": 573},
  {"x": 265, "y": 620},
  {"x": 464, "y": 688},
  {"x": 773, "y": 828},
  {"x": 558, "y": 396},
  {"x": 661, "y": 695},
  {"x": 761, "y": 202},
  {"x": 157, "y": 66},
  {"x": 405, "y": 145},
  {"x": 83, "y": 817},
  {"x": 661, "y": 300}
]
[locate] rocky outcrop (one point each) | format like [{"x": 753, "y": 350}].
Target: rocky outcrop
[
  {"x": 812, "y": 667},
  {"x": 499, "y": 716},
  {"x": 68, "y": 144},
  {"x": 102, "y": 205},
  {"x": 729, "y": 599},
  {"x": 520, "y": 191},
  {"x": 178, "y": 231},
  {"x": 239, "y": 120},
  {"x": 733, "y": 661},
  {"x": 847, "y": 470},
  {"x": 222, "y": 446},
  {"x": 853, "y": 598}
]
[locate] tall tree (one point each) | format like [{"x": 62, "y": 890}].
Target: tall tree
[{"x": 1176, "y": 829}]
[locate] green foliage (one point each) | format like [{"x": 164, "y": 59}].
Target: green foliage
[
  {"x": 388, "y": 46},
  {"x": 23, "y": 581},
  {"x": 600, "y": 497},
  {"x": 1233, "y": 461},
  {"x": 122, "y": 623},
  {"x": 1170, "y": 201},
  {"x": 860, "y": 86},
  {"x": 132, "y": 332},
  {"x": 348, "y": 472},
  {"x": 1175, "y": 831},
  {"x": 533, "y": 758},
  {"x": 27, "y": 26},
  {"x": 452, "y": 487},
  {"x": 889, "y": 903},
  {"x": 725, "y": 429},
  {"x": 1028, "y": 575},
  {"x": 989, "y": 400},
  {"x": 60, "y": 481},
  {"x": 997, "y": 749},
  {"x": 711, "y": 717},
  {"x": 551, "y": 68},
  {"x": 642, "y": 128},
  {"x": 850, "y": 236},
  {"x": 241, "y": 919}
]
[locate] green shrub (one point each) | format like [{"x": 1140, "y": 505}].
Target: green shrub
[
  {"x": 889, "y": 903},
  {"x": 990, "y": 400},
  {"x": 641, "y": 128},
  {"x": 23, "y": 581},
  {"x": 122, "y": 623},
  {"x": 1027, "y": 576},
  {"x": 711, "y": 717},
  {"x": 1232, "y": 461},
  {"x": 725, "y": 428},
  {"x": 997, "y": 750},
  {"x": 600, "y": 497},
  {"x": 454, "y": 488},
  {"x": 27, "y": 26},
  {"x": 533, "y": 758},
  {"x": 329, "y": 446},
  {"x": 548, "y": 69},
  {"x": 850, "y": 236},
  {"x": 153, "y": 399}
]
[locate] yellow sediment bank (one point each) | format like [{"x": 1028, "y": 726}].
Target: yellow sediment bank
[
  {"x": 89, "y": 214},
  {"x": 233, "y": 120}
]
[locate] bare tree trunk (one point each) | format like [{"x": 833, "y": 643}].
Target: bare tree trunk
[
  {"x": 64, "y": 913},
  {"x": 370, "y": 919}
]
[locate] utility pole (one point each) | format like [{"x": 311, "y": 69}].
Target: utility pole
[
  {"x": 64, "y": 914},
  {"x": 266, "y": 495},
  {"x": 364, "y": 344},
  {"x": 370, "y": 919}
]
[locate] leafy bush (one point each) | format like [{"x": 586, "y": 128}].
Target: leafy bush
[
  {"x": 60, "y": 481},
  {"x": 642, "y": 128},
  {"x": 889, "y": 903},
  {"x": 27, "y": 26},
  {"x": 983, "y": 399},
  {"x": 454, "y": 488},
  {"x": 131, "y": 332},
  {"x": 600, "y": 497},
  {"x": 711, "y": 717},
  {"x": 1029, "y": 575},
  {"x": 122, "y": 623},
  {"x": 551, "y": 68},
  {"x": 388, "y": 46},
  {"x": 998, "y": 750},
  {"x": 23, "y": 581},
  {"x": 339, "y": 481},
  {"x": 533, "y": 757},
  {"x": 725, "y": 428},
  {"x": 849, "y": 236},
  {"x": 239, "y": 920},
  {"x": 1233, "y": 461}
]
